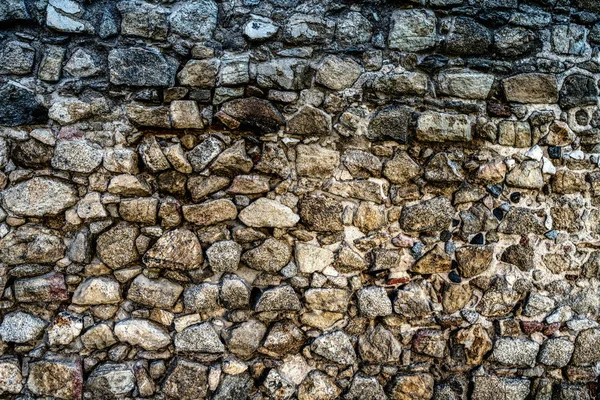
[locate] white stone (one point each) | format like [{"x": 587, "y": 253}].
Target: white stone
[
  {"x": 310, "y": 258},
  {"x": 260, "y": 28},
  {"x": 535, "y": 153}
]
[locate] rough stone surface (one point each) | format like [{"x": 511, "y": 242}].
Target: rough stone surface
[{"x": 274, "y": 199}]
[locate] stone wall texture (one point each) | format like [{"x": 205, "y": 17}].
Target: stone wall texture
[{"x": 280, "y": 199}]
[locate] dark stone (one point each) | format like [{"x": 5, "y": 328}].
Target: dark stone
[
  {"x": 234, "y": 387},
  {"x": 12, "y": 10},
  {"x": 519, "y": 255},
  {"x": 19, "y": 106},
  {"x": 390, "y": 122},
  {"x": 433, "y": 63},
  {"x": 138, "y": 66},
  {"x": 32, "y": 154},
  {"x": 321, "y": 213},
  {"x": 478, "y": 239},
  {"x": 496, "y": 109},
  {"x": 516, "y": 41},
  {"x": 577, "y": 91},
  {"x": 255, "y": 114},
  {"x": 494, "y": 190},
  {"x": 464, "y": 37},
  {"x": 498, "y": 213},
  {"x": 445, "y": 236},
  {"x": 515, "y": 197},
  {"x": 555, "y": 152},
  {"x": 454, "y": 277}
]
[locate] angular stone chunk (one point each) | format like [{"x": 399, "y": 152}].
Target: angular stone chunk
[
  {"x": 20, "y": 327},
  {"x": 11, "y": 380},
  {"x": 65, "y": 328},
  {"x": 224, "y": 256},
  {"x": 200, "y": 338},
  {"x": 31, "y": 243},
  {"x": 318, "y": 385},
  {"x": 111, "y": 380},
  {"x": 185, "y": 114},
  {"x": 210, "y": 212},
  {"x": 493, "y": 387},
  {"x": 260, "y": 28},
  {"x": 515, "y": 352},
  {"x": 186, "y": 380},
  {"x": 70, "y": 111},
  {"x": 128, "y": 185},
  {"x": 167, "y": 251},
  {"x": 116, "y": 247},
  {"x": 202, "y": 155},
  {"x": 373, "y": 301},
  {"x": 12, "y": 10},
  {"x": 464, "y": 36},
  {"x": 327, "y": 299},
  {"x": 335, "y": 347},
  {"x": 433, "y": 126},
  {"x": 474, "y": 260},
  {"x": 77, "y": 156},
  {"x": 412, "y": 30},
  {"x": 45, "y": 288},
  {"x": 142, "y": 210},
  {"x": 336, "y": 73},
  {"x": 586, "y": 350},
  {"x": 308, "y": 29},
  {"x": 159, "y": 293},
  {"x": 526, "y": 175},
  {"x": 268, "y": 213},
  {"x": 99, "y": 336},
  {"x": 39, "y": 197},
  {"x": 556, "y": 352},
  {"x": 281, "y": 298},
  {"x": 310, "y": 258},
  {"x": 137, "y": 66},
  {"x": 520, "y": 220},
  {"x": 315, "y": 161},
  {"x": 433, "y": 262},
  {"x": 254, "y": 113},
  {"x": 143, "y": 19},
  {"x": 429, "y": 215},
  {"x": 195, "y": 20},
  {"x": 390, "y": 122},
  {"x": 199, "y": 73},
  {"x": 121, "y": 161},
  {"x": 531, "y": 88},
  {"x": 20, "y": 106},
  {"x": 321, "y": 213},
  {"x": 99, "y": 290},
  {"x": 271, "y": 256},
  {"x": 578, "y": 90},
  {"x": 309, "y": 121},
  {"x": 201, "y": 298},
  {"x": 149, "y": 116},
  {"x": 465, "y": 83},
  {"x": 401, "y": 84},
  {"x": 141, "y": 332},
  {"x": 57, "y": 377},
  {"x": 16, "y": 58}
]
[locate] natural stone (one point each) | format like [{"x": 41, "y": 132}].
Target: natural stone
[
  {"x": 39, "y": 197},
  {"x": 166, "y": 252},
  {"x": 268, "y": 213},
  {"x": 141, "y": 332}
]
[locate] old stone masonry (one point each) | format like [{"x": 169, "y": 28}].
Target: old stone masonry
[{"x": 313, "y": 200}]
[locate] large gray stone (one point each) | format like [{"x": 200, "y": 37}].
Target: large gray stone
[
  {"x": 39, "y": 197},
  {"x": 412, "y": 30},
  {"x": 137, "y": 66}
]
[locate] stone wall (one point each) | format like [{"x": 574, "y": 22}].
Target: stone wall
[{"x": 275, "y": 199}]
